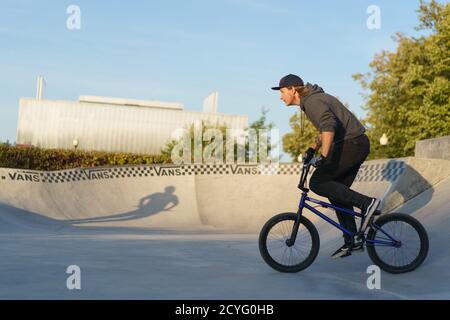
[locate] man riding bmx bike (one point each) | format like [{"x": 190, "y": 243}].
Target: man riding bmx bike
[{"x": 344, "y": 145}]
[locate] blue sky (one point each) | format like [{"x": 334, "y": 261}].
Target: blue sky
[{"x": 182, "y": 50}]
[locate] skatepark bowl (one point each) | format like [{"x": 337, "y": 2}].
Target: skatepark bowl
[{"x": 191, "y": 232}]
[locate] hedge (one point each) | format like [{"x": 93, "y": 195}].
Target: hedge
[{"x": 34, "y": 158}]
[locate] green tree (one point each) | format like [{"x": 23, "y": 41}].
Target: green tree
[
  {"x": 190, "y": 132},
  {"x": 301, "y": 138},
  {"x": 258, "y": 125},
  {"x": 261, "y": 127},
  {"x": 407, "y": 92}
]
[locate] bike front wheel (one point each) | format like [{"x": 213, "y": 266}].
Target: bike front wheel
[
  {"x": 408, "y": 240},
  {"x": 274, "y": 248}
]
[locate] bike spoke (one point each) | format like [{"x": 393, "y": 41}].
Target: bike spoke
[
  {"x": 407, "y": 252},
  {"x": 280, "y": 251}
]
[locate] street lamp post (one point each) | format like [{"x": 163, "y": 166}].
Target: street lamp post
[
  {"x": 75, "y": 143},
  {"x": 383, "y": 143}
]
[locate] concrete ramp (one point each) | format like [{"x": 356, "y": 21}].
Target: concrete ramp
[
  {"x": 237, "y": 198},
  {"x": 245, "y": 202},
  {"x": 130, "y": 197}
]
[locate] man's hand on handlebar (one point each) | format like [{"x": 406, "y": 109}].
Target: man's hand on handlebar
[
  {"x": 318, "y": 161},
  {"x": 308, "y": 155}
]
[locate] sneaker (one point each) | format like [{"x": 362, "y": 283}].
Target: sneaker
[
  {"x": 347, "y": 249},
  {"x": 342, "y": 252},
  {"x": 368, "y": 212}
]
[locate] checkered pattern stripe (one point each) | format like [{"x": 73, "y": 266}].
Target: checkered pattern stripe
[
  {"x": 91, "y": 174},
  {"x": 162, "y": 170},
  {"x": 130, "y": 172},
  {"x": 200, "y": 169},
  {"x": 281, "y": 169},
  {"x": 63, "y": 176},
  {"x": 389, "y": 171}
]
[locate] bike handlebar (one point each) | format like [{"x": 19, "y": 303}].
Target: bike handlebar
[{"x": 304, "y": 175}]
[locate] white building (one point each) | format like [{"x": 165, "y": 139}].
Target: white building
[{"x": 111, "y": 124}]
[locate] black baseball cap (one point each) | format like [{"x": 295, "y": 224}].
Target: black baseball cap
[{"x": 291, "y": 80}]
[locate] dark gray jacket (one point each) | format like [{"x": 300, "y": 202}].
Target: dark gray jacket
[{"x": 328, "y": 114}]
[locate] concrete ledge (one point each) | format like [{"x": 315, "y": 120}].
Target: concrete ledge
[
  {"x": 438, "y": 148},
  {"x": 419, "y": 176}
]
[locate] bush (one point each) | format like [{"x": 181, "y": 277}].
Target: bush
[{"x": 34, "y": 158}]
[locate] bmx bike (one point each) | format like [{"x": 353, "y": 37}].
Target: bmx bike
[{"x": 289, "y": 242}]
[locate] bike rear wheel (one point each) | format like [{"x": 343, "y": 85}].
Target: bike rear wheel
[
  {"x": 275, "y": 250},
  {"x": 405, "y": 256}
]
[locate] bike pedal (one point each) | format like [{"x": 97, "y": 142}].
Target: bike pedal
[{"x": 360, "y": 250}]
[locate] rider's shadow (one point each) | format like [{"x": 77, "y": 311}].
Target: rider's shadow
[{"x": 148, "y": 206}]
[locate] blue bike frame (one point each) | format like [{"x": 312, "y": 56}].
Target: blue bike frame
[{"x": 303, "y": 204}]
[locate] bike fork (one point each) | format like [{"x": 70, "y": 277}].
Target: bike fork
[{"x": 290, "y": 242}]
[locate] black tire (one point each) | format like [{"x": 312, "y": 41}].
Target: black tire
[
  {"x": 418, "y": 252},
  {"x": 306, "y": 231}
]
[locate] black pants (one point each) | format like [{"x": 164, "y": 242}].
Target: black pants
[{"x": 334, "y": 178}]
